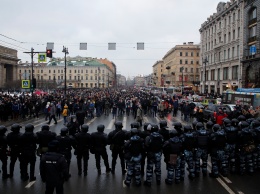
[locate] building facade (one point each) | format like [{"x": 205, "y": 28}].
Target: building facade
[
  {"x": 222, "y": 48},
  {"x": 8, "y": 66},
  {"x": 181, "y": 66},
  {"x": 81, "y": 73},
  {"x": 251, "y": 45},
  {"x": 157, "y": 74}
]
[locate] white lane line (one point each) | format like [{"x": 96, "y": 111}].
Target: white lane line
[
  {"x": 110, "y": 126},
  {"x": 30, "y": 184},
  {"x": 225, "y": 178},
  {"x": 240, "y": 192},
  {"x": 92, "y": 120},
  {"x": 124, "y": 122},
  {"x": 223, "y": 184}
]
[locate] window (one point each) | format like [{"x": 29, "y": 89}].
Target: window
[
  {"x": 61, "y": 71},
  {"x": 91, "y": 71},
  {"x": 70, "y": 77},
  {"x": 252, "y": 14},
  {"x": 49, "y": 77},
  {"x": 235, "y": 72},
  {"x": 234, "y": 34},
  {"x": 86, "y": 71},
  {"x": 229, "y": 19},
  {"x": 229, "y": 53},
  {"x": 91, "y": 78},
  {"x": 181, "y": 69},
  {"x": 198, "y": 54},
  {"x": 238, "y": 50},
  {"x": 218, "y": 74},
  {"x": 70, "y": 70},
  {"x": 86, "y": 77},
  {"x": 75, "y": 71},
  {"x": 197, "y": 62},
  {"x": 225, "y": 73},
  {"x": 238, "y": 14},
  {"x": 95, "y": 77},
  {"x": 180, "y": 61},
  {"x": 197, "y": 70},
  {"x": 61, "y": 77},
  {"x": 180, "y": 53},
  {"x": 58, "y": 77},
  {"x": 252, "y": 31},
  {"x": 225, "y": 55},
  {"x": 225, "y": 22},
  {"x": 95, "y": 71},
  {"x": 238, "y": 32},
  {"x": 75, "y": 77},
  {"x": 58, "y": 71},
  {"x": 41, "y": 71},
  {"x": 212, "y": 73},
  {"x": 49, "y": 71},
  {"x": 219, "y": 25},
  {"x": 191, "y": 62},
  {"x": 54, "y": 71},
  {"x": 81, "y": 70},
  {"x": 234, "y": 17},
  {"x": 229, "y": 37},
  {"x": 233, "y": 52},
  {"x": 186, "y": 54},
  {"x": 191, "y": 54},
  {"x": 191, "y": 70},
  {"x": 186, "y": 70},
  {"x": 186, "y": 61}
]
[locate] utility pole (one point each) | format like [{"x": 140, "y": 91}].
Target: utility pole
[{"x": 65, "y": 50}]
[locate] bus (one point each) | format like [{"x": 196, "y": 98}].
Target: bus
[
  {"x": 173, "y": 91},
  {"x": 243, "y": 96}
]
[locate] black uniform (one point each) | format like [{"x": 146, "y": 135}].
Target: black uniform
[
  {"x": 14, "y": 143},
  {"x": 28, "y": 154},
  {"x": 3, "y": 150},
  {"x": 83, "y": 143},
  {"x": 116, "y": 140},
  {"x": 53, "y": 170},
  {"x": 99, "y": 141}
]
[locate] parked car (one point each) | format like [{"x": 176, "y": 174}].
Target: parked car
[{"x": 209, "y": 110}]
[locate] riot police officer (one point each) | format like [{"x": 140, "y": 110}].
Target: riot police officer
[
  {"x": 209, "y": 126},
  {"x": 3, "y": 151},
  {"x": 232, "y": 137},
  {"x": 116, "y": 139},
  {"x": 218, "y": 156},
  {"x": 133, "y": 154},
  {"x": 172, "y": 150},
  {"x": 28, "y": 152},
  {"x": 54, "y": 169},
  {"x": 146, "y": 132},
  {"x": 73, "y": 126},
  {"x": 14, "y": 143},
  {"x": 202, "y": 149},
  {"x": 153, "y": 145},
  {"x": 99, "y": 141},
  {"x": 66, "y": 143},
  {"x": 256, "y": 130},
  {"x": 246, "y": 148},
  {"x": 44, "y": 137},
  {"x": 163, "y": 130},
  {"x": 83, "y": 143},
  {"x": 189, "y": 145}
]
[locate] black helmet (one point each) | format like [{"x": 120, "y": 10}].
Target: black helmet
[
  {"x": 29, "y": 127},
  {"x": 84, "y": 128},
  {"x": 216, "y": 127},
  {"x": 135, "y": 125},
  {"x": 234, "y": 122},
  {"x": 64, "y": 131},
  {"x": 243, "y": 124},
  {"x": 45, "y": 127},
  {"x": 100, "y": 128},
  {"x": 134, "y": 131},
  {"x": 209, "y": 125},
  {"x": 199, "y": 126},
  {"x": 15, "y": 127},
  {"x": 255, "y": 124},
  {"x": 227, "y": 122},
  {"x": 177, "y": 125},
  {"x": 145, "y": 126},
  {"x": 3, "y": 130},
  {"x": 118, "y": 125},
  {"x": 154, "y": 128},
  {"x": 187, "y": 128},
  {"x": 163, "y": 124},
  {"x": 53, "y": 146},
  {"x": 241, "y": 118},
  {"x": 250, "y": 120},
  {"x": 194, "y": 123},
  {"x": 173, "y": 133}
]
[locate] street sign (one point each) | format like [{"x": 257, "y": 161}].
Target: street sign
[
  {"x": 25, "y": 83},
  {"x": 252, "y": 50},
  {"x": 41, "y": 57}
]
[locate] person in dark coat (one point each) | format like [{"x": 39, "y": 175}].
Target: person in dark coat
[
  {"x": 80, "y": 114},
  {"x": 186, "y": 111},
  {"x": 3, "y": 151},
  {"x": 54, "y": 169},
  {"x": 83, "y": 143}
]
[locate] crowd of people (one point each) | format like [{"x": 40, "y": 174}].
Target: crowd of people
[{"x": 232, "y": 140}]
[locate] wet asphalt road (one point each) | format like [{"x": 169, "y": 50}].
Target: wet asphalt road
[{"x": 108, "y": 183}]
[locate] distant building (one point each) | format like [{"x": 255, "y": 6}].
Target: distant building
[
  {"x": 121, "y": 80},
  {"x": 222, "y": 47},
  {"x": 81, "y": 73},
  {"x": 8, "y": 66},
  {"x": 157, "y": 74},
  {"x": 140, "y": 81}
]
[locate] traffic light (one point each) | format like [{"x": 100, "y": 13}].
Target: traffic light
[
  {"x": 49, "y": 53},
  {"x": 34, "y": 83}
]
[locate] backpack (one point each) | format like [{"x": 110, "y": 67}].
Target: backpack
[
  {"x": 155, "y": 143},
  {"x": 65, "y": 112}
]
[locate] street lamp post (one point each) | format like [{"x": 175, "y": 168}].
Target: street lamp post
[
  {"x": 205, "y": 76},
  {"x": 65, "y": 50}
]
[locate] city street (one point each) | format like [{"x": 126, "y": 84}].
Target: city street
[{"x": 108, "y": 183}]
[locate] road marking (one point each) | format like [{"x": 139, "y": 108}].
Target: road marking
[
  {"x": 225, "y": 178},
  {"x": 240, "y": 192},
  {"x": 30, "y": 184},
  {"x": 124, "y": 122},
  {"x": 110, "y": 126},
  {"x": 92, "y": 120}
]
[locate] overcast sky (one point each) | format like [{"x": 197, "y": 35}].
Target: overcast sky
[{"x": 160, "y": 24}]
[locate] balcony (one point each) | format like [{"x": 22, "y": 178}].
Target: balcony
[
  {"x": 252, "y": 39},
  {"x": 252, "y": 21}
]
